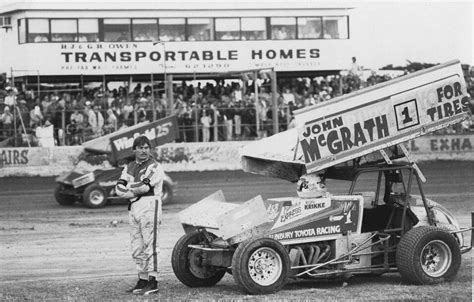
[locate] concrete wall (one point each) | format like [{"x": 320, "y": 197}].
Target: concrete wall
[{"x": 205, "y": 156}]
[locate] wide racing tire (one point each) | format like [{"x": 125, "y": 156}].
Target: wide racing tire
[
  {"x": 428, "y": 255},
  {"x": 187, "y": 262},
  {"x": 261, "y": 266},
  {"x": 63, "y": 199},
  {"x": 94, "y": 196},
  {"x": 166, "y": 193}
]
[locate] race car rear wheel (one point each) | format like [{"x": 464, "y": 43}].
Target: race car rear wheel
[
  {"x": 166, "y": 193},
  {"x": 187, "y": 262},
  {"x": 428, "y": 255},
  {"x": 261, "y": 266},
  {"x": 63, "y": 199},
  {"x": 94, "y": 196}
]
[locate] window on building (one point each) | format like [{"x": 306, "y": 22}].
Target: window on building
[
  {"x": 64, "y": 30},
  {"x": 117, "y": 30},
  {"x": 335, "y": 27},
  {"x": 38, "y": 30},
  {"x": 88, "y": 30},
  {"x": 21, "y": 31},
  {"x": 283, "y": 28},
  {"x": 171, "y": 29},
  {"x": 310, "y": 28},
  {"x": 145, "y": 29},
  {"x": 227, "y": 29},
  {"x": 254, "y": 28},
  {"x": 199, "y": 29}
]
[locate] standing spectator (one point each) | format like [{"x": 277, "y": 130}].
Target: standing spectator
[
  {"x": 77, "y": 117},
  {"x": 45, "y": 134},
  {"x": 141, "y": 112},
  {"x": 10, "y": 98},
  {"x": 111, "y": 124},
  {"x": 355, "y": 68},
  {"x": 36, "y": 116},
  {"x": 229, "y": 121},
  {"x": 288, "y": 97},
  {"x": 126, "y": 112},
  {"x": 75, "y": 128},
  {"x": 7, "y": 121},
  {"x": 237, "y": 93},
  {"x": 96, "y": 121},
  {"x": 45, "y": 104},
  {"x": 206, "y": 125},
  {"x": 355, "y": 72},
  {"x": 262, "y": 109},
  {"x": 238, "y": 119},
  {"x": 24, "y": 114}
]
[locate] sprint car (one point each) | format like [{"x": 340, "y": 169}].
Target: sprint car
[
  {"x": 96, "y": 188},
  {"x": 263, "y": 243},
  {"x": 391, "y": 227},
  {"x": 96, "y": 172}
]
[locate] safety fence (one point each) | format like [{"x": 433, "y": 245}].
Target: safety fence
[{"x": 210, "y": 156}]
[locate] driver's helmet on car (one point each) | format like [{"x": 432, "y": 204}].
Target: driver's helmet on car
[{"x": 311, "y": 186}]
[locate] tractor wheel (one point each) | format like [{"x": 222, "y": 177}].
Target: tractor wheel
[
  {"x": 63, "y": 199},
  {"x": 428, "y": 255},
  {"x": 94, "y": 196},
  {"x": 187, "y": 262},
  {"x": 261, "y": 266}
]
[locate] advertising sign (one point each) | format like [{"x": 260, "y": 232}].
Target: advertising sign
[
  {"x": 314, "y": 217},
  {"x": 159, "y": 132},
  {"x": 179, "y": 57},
  {"x": 381, "y": 116}
]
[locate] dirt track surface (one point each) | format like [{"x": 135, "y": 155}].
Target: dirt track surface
[{"x": 50, "y": 252}]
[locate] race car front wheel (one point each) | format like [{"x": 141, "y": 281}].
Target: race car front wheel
[
  {"x": 188, "y": 263},
  {"x": 63, "y": 199},
  {"x": 94, "y": 196},
  {"x": 428, "y": 255},
  {"x": 261, "y": 266}
]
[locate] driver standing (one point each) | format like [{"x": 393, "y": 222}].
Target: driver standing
[{"x": 141, "y": 183}]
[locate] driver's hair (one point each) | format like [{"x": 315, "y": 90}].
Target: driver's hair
[{"x": 140, "y": 141}]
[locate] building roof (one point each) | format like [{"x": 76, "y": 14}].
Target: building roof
[{"x": 110, "y": 5}]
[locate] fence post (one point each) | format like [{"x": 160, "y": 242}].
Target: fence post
[{"x": 275, "y": 102}]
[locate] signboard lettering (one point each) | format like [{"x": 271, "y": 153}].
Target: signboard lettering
[
  {"x": 182, "y": 57},
  {"x": 159, "y": 132},
  {"x": 13, "y": 157},
  {"x": 382, "y": 116},
  {"x": 342, "y": 137}
]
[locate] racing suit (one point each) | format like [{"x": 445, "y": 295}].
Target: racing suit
[{"x": 142, "y": 184}]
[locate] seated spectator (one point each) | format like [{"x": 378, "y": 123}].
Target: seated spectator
[
  {"x": 82, "y": 38},
  {"x": 41, "y": 38},
  {"x": 57, "y": 38}
]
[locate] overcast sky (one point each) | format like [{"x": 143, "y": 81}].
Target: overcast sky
[
  {"x": 392, "y": 32},
  {"x": 388, "y": 32}
]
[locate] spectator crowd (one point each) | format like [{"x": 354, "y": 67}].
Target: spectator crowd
[{"x": 216, "y": 110}]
